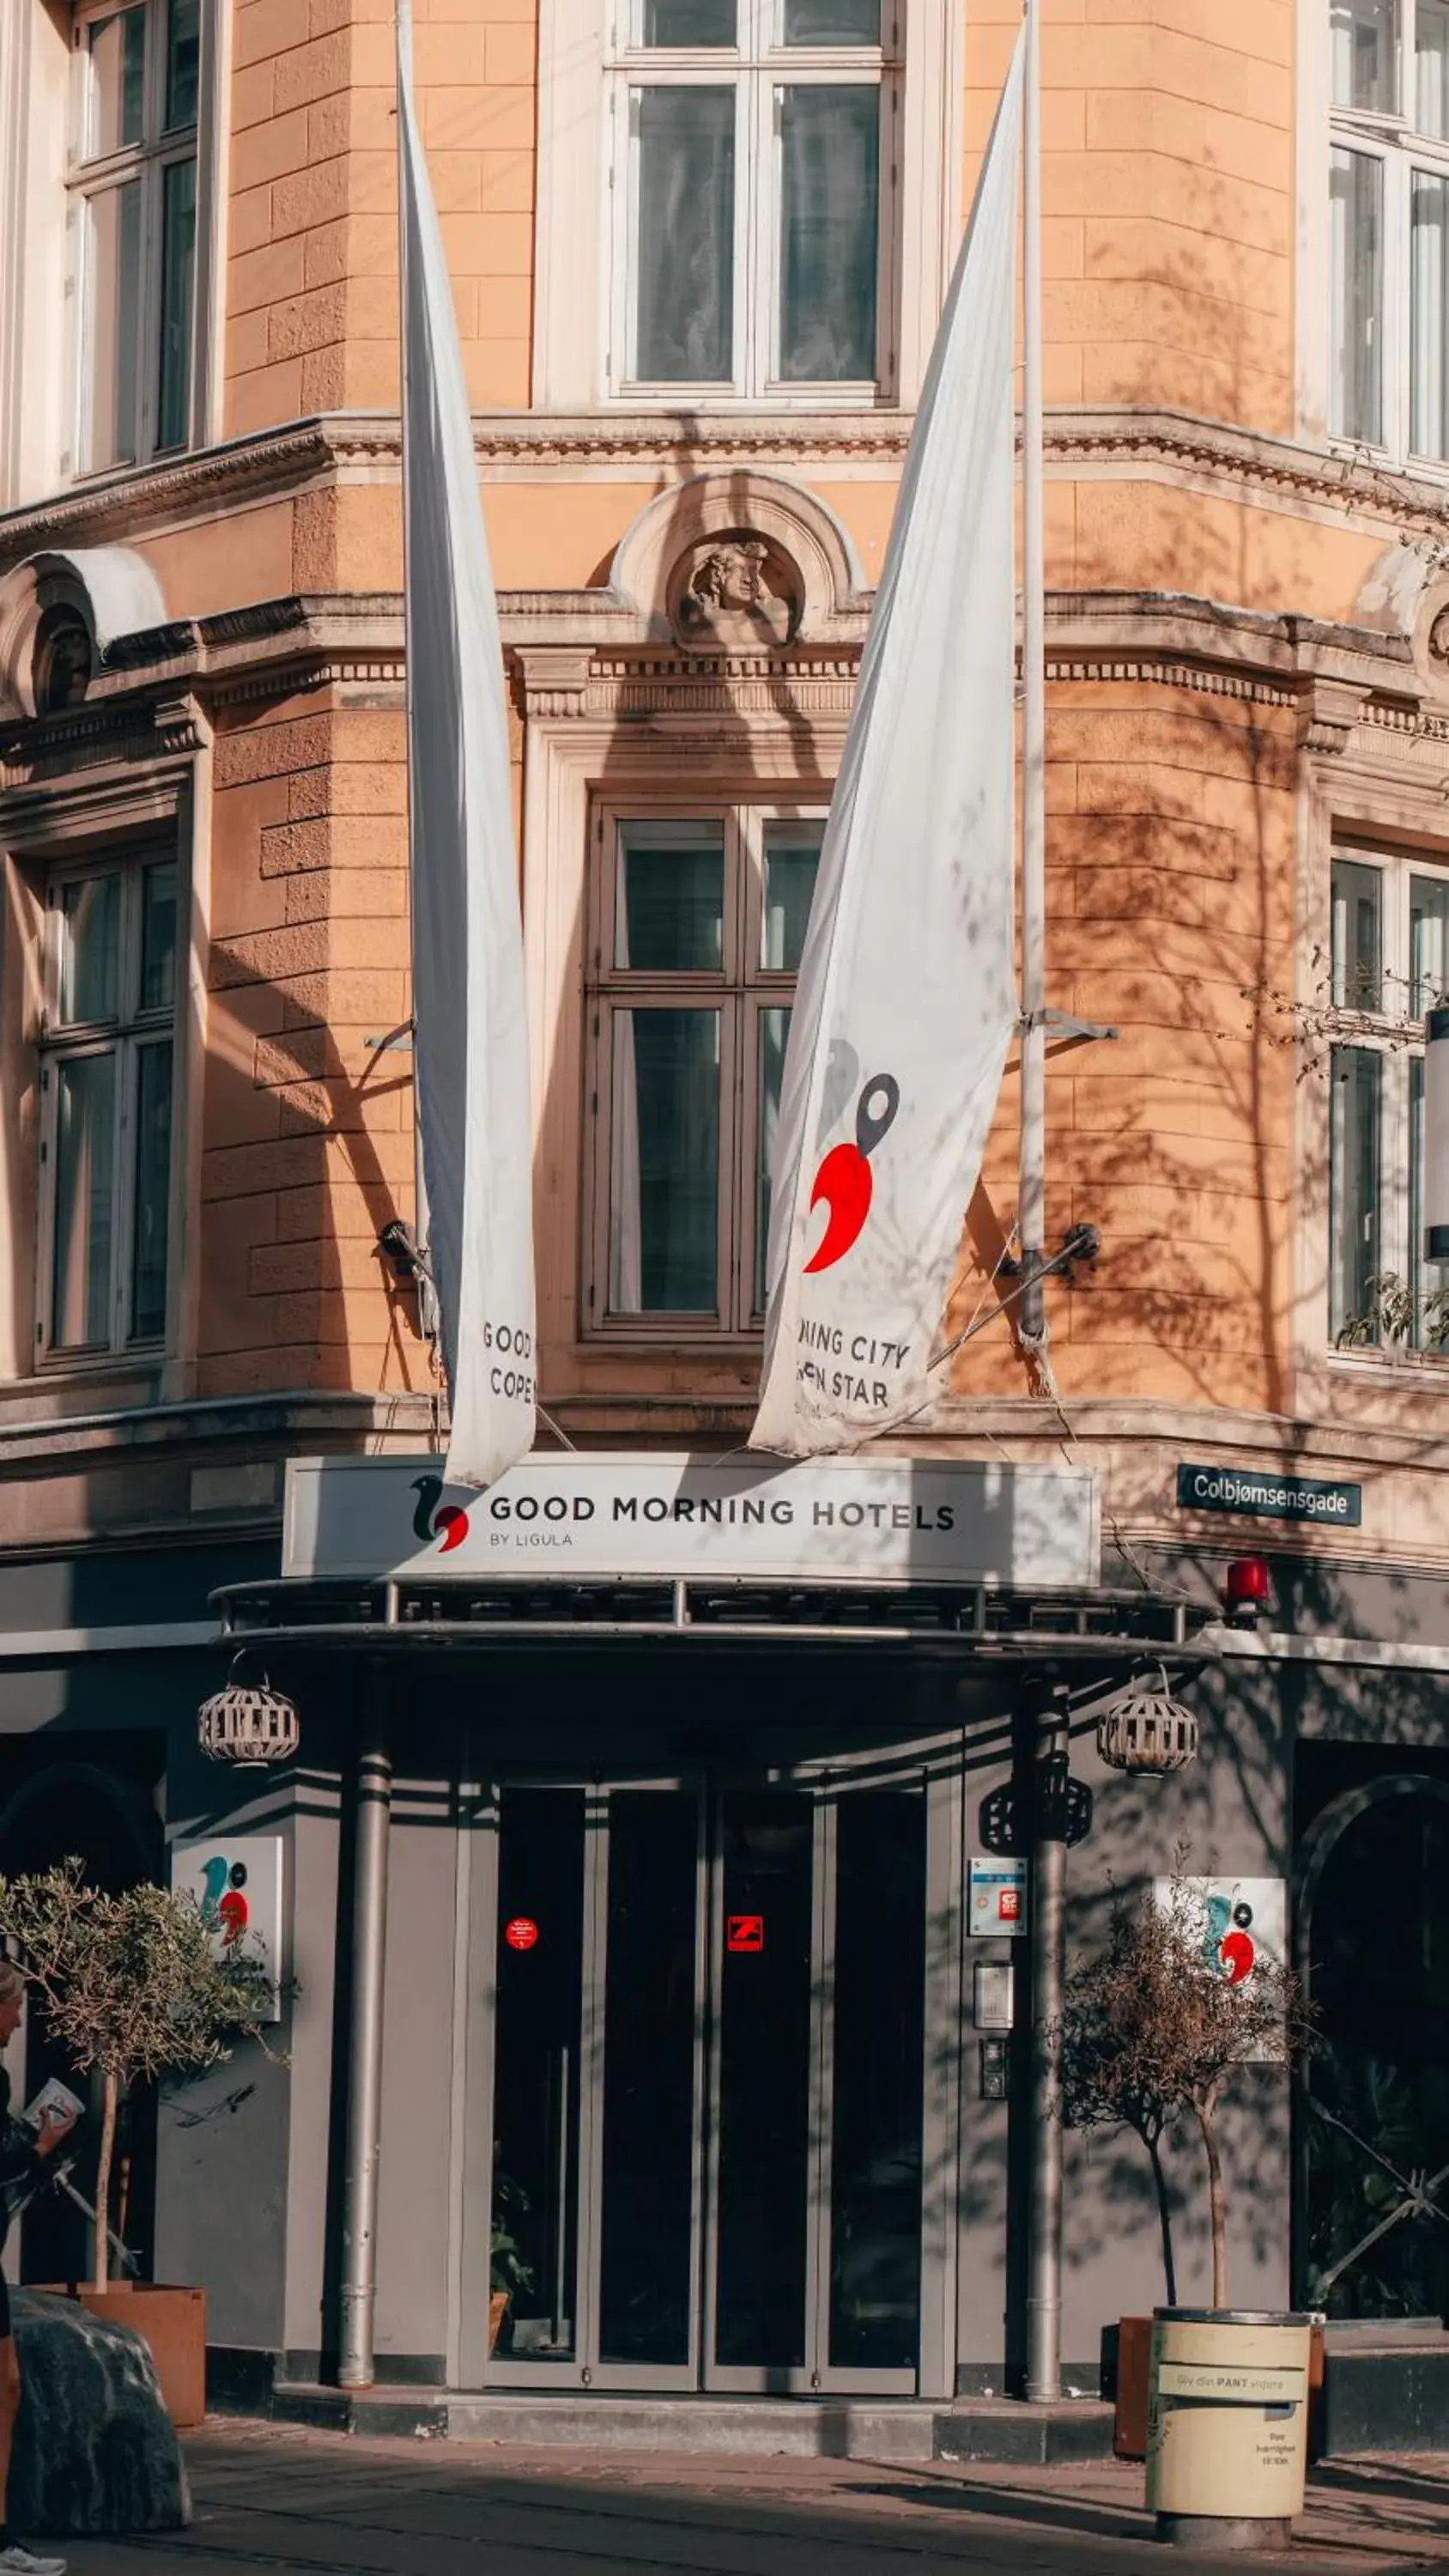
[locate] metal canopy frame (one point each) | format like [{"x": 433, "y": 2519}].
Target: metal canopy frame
[{"x": 990, "y": 1623}]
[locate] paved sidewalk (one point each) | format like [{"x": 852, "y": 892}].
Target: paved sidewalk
[{"x": 317, "y": 2504}]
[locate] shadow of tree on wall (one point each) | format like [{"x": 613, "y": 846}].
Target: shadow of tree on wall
[
  {"x": 323, "y": 1109},
  {"x": 1239, "y": 1810}
]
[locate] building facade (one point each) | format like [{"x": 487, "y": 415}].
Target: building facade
[{"x": 699, "y": 249}]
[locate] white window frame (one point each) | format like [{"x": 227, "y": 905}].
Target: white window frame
[
  {"x": 126, "y": 1037},
  {"x": 740, "y": 991},
  {"x": 581, "y": 300},
  {"x": 1397, "y": 1039},
  {"x": 757, "y": 68},
  {"x": 1392, "y": 140},
  {"x": 91, "y": 176}
]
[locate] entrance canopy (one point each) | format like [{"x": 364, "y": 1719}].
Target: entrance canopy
[{"x": 885, "y": 1549}]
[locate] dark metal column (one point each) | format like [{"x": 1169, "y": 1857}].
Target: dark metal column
[
  {"x": 371, "y": 1820},
  {"x": 1048, "y": 1955}
]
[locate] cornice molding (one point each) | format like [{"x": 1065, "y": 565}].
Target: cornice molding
[
  {"x": 586, "y": 655},
  {"x": 350, "y": 447},
  {"x": 1348, "y": 485},
  {"x": 56, "y": 749}
]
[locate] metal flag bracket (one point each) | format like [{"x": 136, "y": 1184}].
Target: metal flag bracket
[{"x": 1063, "y": 1033}]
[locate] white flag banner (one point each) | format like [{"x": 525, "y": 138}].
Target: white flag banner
[
  {"x": 469, "y": 1008},
  {"x": 906, "y": 1003}
]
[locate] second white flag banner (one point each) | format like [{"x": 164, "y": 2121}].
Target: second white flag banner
[{"x": 906, "y": 1003}]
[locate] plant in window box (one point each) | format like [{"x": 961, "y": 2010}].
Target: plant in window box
[
  {"x": 136, "y": 1988},
  {"x": 1398, "y": 1316},
  {"x": 509, "y": 2273}
]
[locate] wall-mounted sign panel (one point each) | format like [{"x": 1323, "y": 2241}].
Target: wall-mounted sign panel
[
  {"x": 236, "y": 1880},
  {"x": 1244, "y": 1921},
  {"x": 996, "y": 1908},
  {"x": 1267, "y": 1497},
  {"x": 834, "y": 1520}
]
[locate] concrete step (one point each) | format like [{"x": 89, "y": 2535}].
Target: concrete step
[
  {"x": 1015, "y": 2435},
  {"x": 842, "y": 2428}
]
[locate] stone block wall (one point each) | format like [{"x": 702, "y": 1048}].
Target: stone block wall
[
  {"x": 311, "y": 298},
  {"x": 1168, "y": 197},
  {"x": 1170, "y": 848},
  {"x": 308, "y": 1128}
]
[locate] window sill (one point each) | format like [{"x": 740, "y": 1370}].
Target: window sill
[
  {"x": 711, "y": 402},
  {"x": 145, "y": 1359},
  {"x": 1382, "y": 1369},
  {"x": 1381, "y": 460},
  {"x": 54, "y": 1392},
  {"x": 664, "y": 1340}
]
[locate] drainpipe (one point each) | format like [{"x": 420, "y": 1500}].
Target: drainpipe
[
  {"x": 1048, "y": 1955},
  {"x": 371, "y": 1818}
]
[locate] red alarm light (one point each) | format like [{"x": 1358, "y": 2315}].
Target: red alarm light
[{"x": 1247, "y": 1590}]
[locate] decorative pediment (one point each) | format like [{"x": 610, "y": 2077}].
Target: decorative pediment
[
  {"x": 740, "y": 562},
  {"x": 60, "y": 613}
]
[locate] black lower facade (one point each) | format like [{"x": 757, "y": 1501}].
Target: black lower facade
[{"x": 683, "y": 2088}]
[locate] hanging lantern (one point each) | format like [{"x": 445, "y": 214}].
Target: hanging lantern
[
  {"x": 1146, "y": 1731},
  {"x": 248, "y": 1723},
  {"x": 1435, "y": 1245}
]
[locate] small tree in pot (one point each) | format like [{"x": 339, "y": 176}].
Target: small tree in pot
[
  {"x": 1155, "y": 2027},
  {"x": 135, "y": 1987}
]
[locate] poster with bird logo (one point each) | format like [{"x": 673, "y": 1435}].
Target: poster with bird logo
[{"x": 236, "y": 1879}]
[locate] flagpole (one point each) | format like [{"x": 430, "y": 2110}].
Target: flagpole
[
  {"x": 1032, "y": 1324},
  {"x": 423, "y": 1273},
  {"x": 1049, "y": 1851}
]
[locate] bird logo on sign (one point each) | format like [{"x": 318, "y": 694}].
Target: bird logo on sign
[
  {"x": 223, "y": 1904},
  {"x": 434, "y": 1518},
  {"x": 1230, "y": 1946}
]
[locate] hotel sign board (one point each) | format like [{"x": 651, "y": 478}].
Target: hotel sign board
[{"x": 644, "y": 1518}]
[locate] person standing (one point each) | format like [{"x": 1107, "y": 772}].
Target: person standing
[{"x": 22, "y": 2156}]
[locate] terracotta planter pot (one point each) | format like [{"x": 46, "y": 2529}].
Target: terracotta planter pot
[
  {"x": 173, "y": 2324},
  {"x": 497, "y": 2311}
]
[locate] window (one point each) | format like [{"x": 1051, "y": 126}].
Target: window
[
  {"x": 133, "y": 212},
  {"x": 106, "y": 1077},
  {"x": 1389, "y": 953},
  {"x": 1389, "y": 225},
  {"x": 699, "y": 925},
  {"x": 752, "y": 170}
]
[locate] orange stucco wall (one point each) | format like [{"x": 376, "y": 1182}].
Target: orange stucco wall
[
  {"x": 311, "y": 302},
  {"x": 1167, "y": 194}
]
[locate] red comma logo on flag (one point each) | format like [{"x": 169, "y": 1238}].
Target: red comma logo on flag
[
  {"x": 450, "y": 1524},
  {"x": 844, "y": 1179}
]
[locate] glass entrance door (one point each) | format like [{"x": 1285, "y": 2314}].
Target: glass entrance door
[
  {"x": 814, "y": 2276},
  {"x": 709, "y": 2080}
]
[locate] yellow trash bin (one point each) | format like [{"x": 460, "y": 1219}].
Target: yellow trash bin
[{"x": 1227, "y": 2426}]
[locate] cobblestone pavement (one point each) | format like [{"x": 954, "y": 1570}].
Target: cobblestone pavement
[{"x": 323, "y": 2505}]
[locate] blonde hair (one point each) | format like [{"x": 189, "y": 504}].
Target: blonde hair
[{"x": 12, "y": 1983}]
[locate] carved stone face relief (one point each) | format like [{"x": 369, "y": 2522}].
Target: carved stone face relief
[
  {"x": 60, "y": 669},
  {"x": 734, "y": 593}
]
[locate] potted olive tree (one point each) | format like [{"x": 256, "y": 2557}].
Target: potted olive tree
[
  {"x": 1154, "y": 2029},
  {"x": 136, "y": 1987}
]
